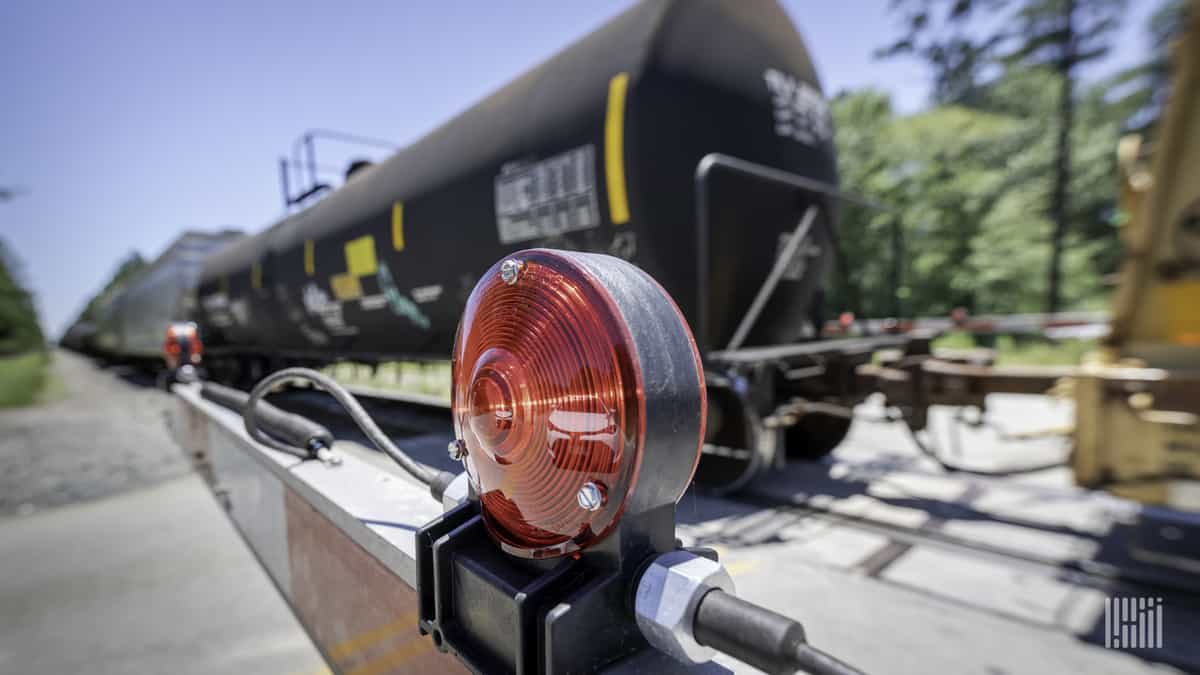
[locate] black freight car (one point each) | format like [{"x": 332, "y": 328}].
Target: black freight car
[{"x": 596, "y": 149}]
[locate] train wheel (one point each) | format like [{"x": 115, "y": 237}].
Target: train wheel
[
  {"x": 736, "y": 445},
  {"x": 815, "y": 435}
]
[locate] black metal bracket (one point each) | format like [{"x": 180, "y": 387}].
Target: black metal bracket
[
  {"x": 500, "y": 614},
  {"x": 714, "y": 163}
]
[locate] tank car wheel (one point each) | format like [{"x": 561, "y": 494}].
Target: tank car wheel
[
  {"x": 736, "y": 445},
  {"x": 815, "y": 435}
]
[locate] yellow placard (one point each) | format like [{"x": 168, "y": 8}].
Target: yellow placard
[
  {"x": 310, "y": 265},
  {"x": 345, "y": 286},
  {"x": 360, "y": 257}
]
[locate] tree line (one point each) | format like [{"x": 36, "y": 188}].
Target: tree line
[
  {"x": 1002, "y": 193},
  {"x": 19, "y": 328}
]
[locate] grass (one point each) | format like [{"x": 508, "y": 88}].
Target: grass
[
  {"x": 427, "y": 379},
  {"x": 1024, "y": 351},
  {"x": 433, "y": 378},
  {"x": 25, "y": 379}
]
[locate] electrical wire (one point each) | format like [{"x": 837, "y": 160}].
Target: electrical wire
[
  {"x": 436, "y": 480},
  {"x": 933, "y": 454}
]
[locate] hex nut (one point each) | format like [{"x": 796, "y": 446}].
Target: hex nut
[{"x": 667, "y": 597}]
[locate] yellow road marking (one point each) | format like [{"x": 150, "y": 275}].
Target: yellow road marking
[
  {"x": 363, "y": 640},
  {"x": 741, "y": 566},
  {"x": 391, "y": 660},
  {"x": 614, "y": 149}
]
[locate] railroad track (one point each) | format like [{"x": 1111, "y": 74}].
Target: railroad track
[{"x": 1132, "y": 578}]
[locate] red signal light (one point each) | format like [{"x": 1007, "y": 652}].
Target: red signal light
[{"x": 578, "y": 394}]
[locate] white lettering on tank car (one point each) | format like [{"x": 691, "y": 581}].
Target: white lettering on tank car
[
  {"x": 313, "y": 335},
  {"x": 371, "y": 303},
  {"x": 424, "y": 294},
  {"x": 546, "y": 198},
  {"x": 216, "y": 306},
  {"x": 240, "y": 311},
  {"x": 318, "y": 303},
  {"x": 801, "y": 113}
]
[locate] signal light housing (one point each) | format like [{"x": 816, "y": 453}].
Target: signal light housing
[
  {"x": 579, "y": 405},
  {"x": 181, "y": 345},
  {"x": 579, "y": 395}
]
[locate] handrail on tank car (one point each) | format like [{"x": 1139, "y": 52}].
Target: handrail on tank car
[
  {"x": 717, "y": 161},
  {"x": 304, "y": 142}
]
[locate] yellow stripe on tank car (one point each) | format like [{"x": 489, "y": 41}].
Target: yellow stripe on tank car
[
  {"x": 310, "y": 264},
  {"x": 614, "y": 149},
  {"x": 360, "y": 257},
  {"x": 256, "y": 275},
  {"x": 398, "y": 226}
]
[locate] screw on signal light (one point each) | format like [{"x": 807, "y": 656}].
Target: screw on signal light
[
  {"x": 457, "y": 449},
  {"x": 591, "y": 496},
  {"x": 510, "y": 270}
]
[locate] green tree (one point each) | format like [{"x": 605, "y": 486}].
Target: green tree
[
  {"x": 1056, "y": 35},
  {"x": 19, "y": 328},
  {"x": 937, "y": 172},
  {"x": 960, "y": 182}
]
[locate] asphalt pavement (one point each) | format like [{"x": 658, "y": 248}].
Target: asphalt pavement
[{"x": 114, "y": 557}]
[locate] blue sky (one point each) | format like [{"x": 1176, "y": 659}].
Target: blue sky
[{"x": 130, "y": 121}]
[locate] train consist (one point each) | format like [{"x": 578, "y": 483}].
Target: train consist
[
  {"x": 133, "y": 319},
  {"x": 689, "y": 138}
]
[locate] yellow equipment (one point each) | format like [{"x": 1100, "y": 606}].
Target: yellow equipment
[{"x": 1137, "y": 431}]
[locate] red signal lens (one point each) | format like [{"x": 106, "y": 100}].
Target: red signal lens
[{"x": 549, "y": 399}]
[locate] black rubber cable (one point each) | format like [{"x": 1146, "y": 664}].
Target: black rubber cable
[
  {"x": 767, "y": 640},
  {"x": 303, "y": 437},
  {"x": 436, "y": 480}
]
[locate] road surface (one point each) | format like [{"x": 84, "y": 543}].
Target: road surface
[{"x": 114, "y": 557}]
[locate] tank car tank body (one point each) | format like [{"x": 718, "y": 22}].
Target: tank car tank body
[
  {"x": 134, "y": 319},
  {"x": 596, "y": 149}
]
